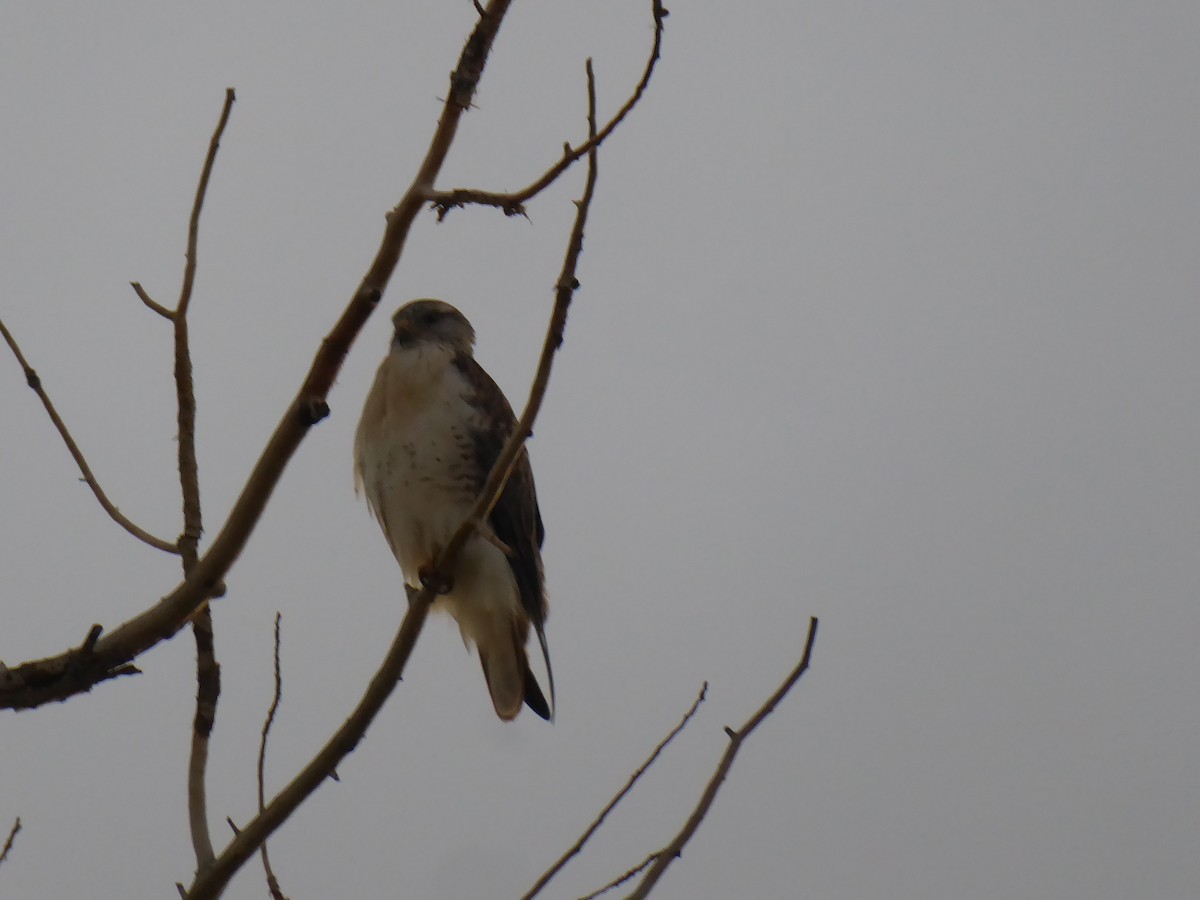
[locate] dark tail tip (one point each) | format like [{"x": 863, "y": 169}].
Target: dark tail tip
[{"x": 534, "y": 698}]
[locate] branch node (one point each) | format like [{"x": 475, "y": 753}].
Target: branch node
[
  {"x": 369, "y": 295},
  {"x": 236, "y": 831}
]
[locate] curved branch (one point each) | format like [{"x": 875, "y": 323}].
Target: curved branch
[
  {"x": 72, "y": 672},
  {"x": 35, "y": 382},
  {"x": 272, "y": 882},
  {"x": 673, "y": 850},
  {"x": 513, "y": 204}
]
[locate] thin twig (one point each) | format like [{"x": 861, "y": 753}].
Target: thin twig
[
  {"x": 150, "y": 302},
  {"x": 35, "y": 382},
  {"x": 673, "y": 850},
  {"x": 621, "y": 879},
  {"x": 208, "y": 671},
  {"x": 189, "y": 269},
  {"x": 345, "y": 739},
  {"x": 513, "y": 204},
  {"x": 620, "y": 795},
  {"x": 272, "y": 881},
  {"x": 9, "y": 842}
]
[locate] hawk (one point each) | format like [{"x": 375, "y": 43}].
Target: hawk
[{"x": 432, "y": 426}]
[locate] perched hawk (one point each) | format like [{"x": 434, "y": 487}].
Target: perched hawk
[{"x": 432, "y": 427}]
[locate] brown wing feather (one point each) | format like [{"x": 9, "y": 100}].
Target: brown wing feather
[{"x": 515, "y": 519}]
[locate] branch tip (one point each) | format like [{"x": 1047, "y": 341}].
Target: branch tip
[{"x": 89, "y": 642}]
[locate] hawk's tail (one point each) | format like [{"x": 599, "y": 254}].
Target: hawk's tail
[{"x": 509, "y": 679}]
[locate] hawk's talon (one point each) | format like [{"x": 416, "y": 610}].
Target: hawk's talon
[{"x": 430, "y": 579}]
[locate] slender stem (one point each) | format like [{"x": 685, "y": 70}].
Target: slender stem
[
  {"x": 8, "y": 843},
  {"x": 277, "y": 696},
  {"x": 35, "y": 382},
  {"x": 208, "y": 671}
]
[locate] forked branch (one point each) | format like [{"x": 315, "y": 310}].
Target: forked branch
[
  {"x": 612, "y": 804},
  {"x": 513, "y": 204},
  {"x": 211, "y": 883},
  {"x": 673, "y": 850}
]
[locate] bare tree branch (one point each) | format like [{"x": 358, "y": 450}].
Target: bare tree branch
[
  {"x": 513, "y": 204},
  {"x": 66, "y": 674},
  {"x": 272, "y": 881},
  {"x": 212, "y": 882},
  {"x": 35, "y": 382},
  {"x": 673, "y": 850},
  {"x": 208, "y": 672},
  {"x": 620, "y": 795},
  {"x": 12, "y": 834},
  {"x": 150, "y": 302}
]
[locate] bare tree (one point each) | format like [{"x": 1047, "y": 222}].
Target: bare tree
[{"x": 105, "y": 656}]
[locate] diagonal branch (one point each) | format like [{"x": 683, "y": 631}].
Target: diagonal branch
[
  {"x": 620, "y": 795},
  {"x": 8, "y": 843},
  {"x": 74, "y": 671},
  {"x": 673, "y": 850},
  {"x": 210, "y": 883},
  {"x": 35, "y": 382},
  {"x": 513, "y": 204}
]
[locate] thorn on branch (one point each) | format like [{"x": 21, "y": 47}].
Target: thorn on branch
[
  {"x": 314, "y": 410},
  {"x": 89, "y": 642}
]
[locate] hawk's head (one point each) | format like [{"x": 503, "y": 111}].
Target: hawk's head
[{"x": 435, "y": 322}]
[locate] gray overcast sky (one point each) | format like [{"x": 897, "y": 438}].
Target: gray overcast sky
[{"x": 889, "y": 315}]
